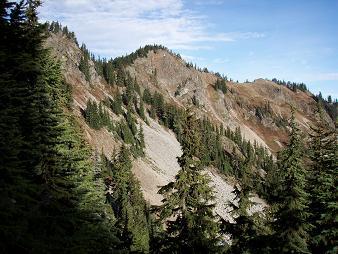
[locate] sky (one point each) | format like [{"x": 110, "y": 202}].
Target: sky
[{"x": 244, "y": 39}]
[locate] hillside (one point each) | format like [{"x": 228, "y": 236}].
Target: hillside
[
  {"x": 259, "y": 109},
  {"x": 146, "y": 153},
  {"x": 159, "y": 166}
]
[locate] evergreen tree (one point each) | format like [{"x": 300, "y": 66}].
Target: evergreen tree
[
  {"x": 84, "y": 63},
  {"x": 116, "y": 104},
  {"x": 43, "y": 160},
  {"x": 147, "y": 98},
  {"x": 126, "y": 199},
  {"x": 140, "y": 111},
  {"x": 221, "y": 85},
  {"x": 248, "y": 232},
  {"x": 291, "y": 225},
  {"x": 323, "y": 188},
  {"x": 187, "y": 208},
  {"x": 141, "y": 142}
]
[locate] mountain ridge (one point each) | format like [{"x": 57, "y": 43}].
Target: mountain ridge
[{"x": 259, "y": 110}]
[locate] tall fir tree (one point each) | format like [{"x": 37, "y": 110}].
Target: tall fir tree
[
  {"x": 248, "y": 232},
  {"x": 43, "y": 159},
  {"x": 126, "y": 199},
  {"x": 291, "y": 218},
  {"x": 323, "y": 179},
  {"x": 187, "y": 209}
]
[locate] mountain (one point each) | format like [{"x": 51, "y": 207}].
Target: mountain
[
  {"x": 259, "y": 110},
  {"x": 146, "y": 153}
]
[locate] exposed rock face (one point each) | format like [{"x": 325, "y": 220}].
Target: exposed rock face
[{"x": 260, "y": 109}]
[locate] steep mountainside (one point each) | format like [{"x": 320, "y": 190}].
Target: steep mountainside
[
  {"x": 146, "y": 153},
  {"x": 260, "y": 109}
]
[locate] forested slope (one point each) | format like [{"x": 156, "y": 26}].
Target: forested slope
[{"x": 80, "y": 137}]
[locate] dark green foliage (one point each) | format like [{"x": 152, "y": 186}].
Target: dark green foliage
[
  {"x": 248, "y": 233},
  {"x": 147, "y": 97},
  {"x": 131, "y": 121},
  {"x": 141, "y": 112},
  {"x": 330, "y": 107},
  {"x": 141, "y": 138},
  {"x": 292, "y": 226},
  {"x": 56, "y": 27},
  {"x": 221, "y": 85},
  {"x": 189, "y": 200},
  {"x": 323, "y": 188},
  {"x": 293, "y": 86},
  {"x": 84, "y": 63},
  {"x": 116, "y": 104},
  {"x": 211, "y": 151},
  {"x": 127, "y": 130},
  {"x": 126, "y": 199},
  {"x": 45, "y": 171},
  {"x": 329, "y": 99},
  {"x": 263, "y": 111},
  {"x": 129, "y": 93},
  {"x": 194, "y": 66},
  {"x": 125, "y": 133},
  {"x": 113, "y": 70},
  {"x": 96, "y": 116}
]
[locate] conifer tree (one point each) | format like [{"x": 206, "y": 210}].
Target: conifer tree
[
  {"x": 323, "y": 187},
  {"x": 147, "y": 98},
  {"x": 116, "y": 104},
  {"x": 127, "y": 202},
  {"x": 248, "y": 233},
  {"x": 187, "y": 208},
  {"x": 141, "y": 110},
  {"x": 43, "y": 160},
  {"x": 291, "y": 225},
  {"x": 84, "y": 66}
]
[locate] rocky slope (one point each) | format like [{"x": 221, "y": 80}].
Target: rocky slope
[{"x": 259, "y": 108}]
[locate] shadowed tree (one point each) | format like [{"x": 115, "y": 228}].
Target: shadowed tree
[{"x": 187, "y": 209}]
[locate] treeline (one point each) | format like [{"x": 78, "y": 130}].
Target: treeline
[
  {"x": 190, "y": 65},
  {"x": 56, "y": 27},
  {"x": 113, "y": 70},
  {"x": 293, "y": 86},
  {"x": 212, "y": 152},
  {"x": 330, "y": 105},
  {"x": 124, "y": 129},
  {"x": 126, "y": 105},
  {"x": 301, "y": 219}
]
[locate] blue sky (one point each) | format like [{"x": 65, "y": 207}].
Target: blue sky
[{"x": 244, "y": 39}]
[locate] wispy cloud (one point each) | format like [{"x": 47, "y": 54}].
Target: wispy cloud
[
  {"x": 209, "y": 2},
  {"x": 115, "y": 27}
]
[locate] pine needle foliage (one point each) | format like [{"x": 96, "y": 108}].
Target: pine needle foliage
[{"x": 187, "y": 209}]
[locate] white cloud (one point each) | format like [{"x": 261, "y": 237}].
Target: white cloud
[
  {"x": 115, "y": 27},
  {"x": 210, "y": 2}
]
